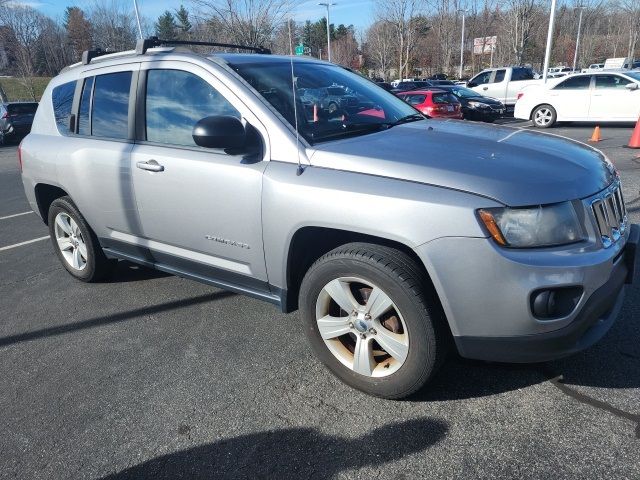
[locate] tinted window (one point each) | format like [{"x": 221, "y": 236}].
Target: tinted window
[
  {"x": 62, "y": 99},
  {"x": 22, "y": 108},
  {"x": 110, "y": 111},
  {"x": 576, "y": 83},
  {"x": 499, "y": 76},
  {"x": 481, "y": 78},
  {"x": 611, "y": 81},
  {"x": 84, "y": 119},
  {"x": 521, "y": 74},
  {"x": 176, "y": 101},
  {"x": 443, "y": 98},
  {"x": 414, "y": 99}
]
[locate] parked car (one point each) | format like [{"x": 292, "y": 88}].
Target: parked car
[
  {"x": 407, "y": 86},
  {"x": 437, "y": 83},
  {"x": 15, "y": 120},
  {"x": 433, "y": 103},
  {"x": 475, "y": 106},
  {"x": 397, "y": 237},
  {"x": 503, "y": 83},
  {"x": 438, "y": 76},
  {"x": 583, "y": 97},
  {"x": 386, "y": 85}
]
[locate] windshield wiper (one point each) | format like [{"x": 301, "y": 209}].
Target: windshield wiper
[{"x": 414, "y": 117}]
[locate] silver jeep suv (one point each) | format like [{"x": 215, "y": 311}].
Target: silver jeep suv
[{"x": 396, "y": 236}]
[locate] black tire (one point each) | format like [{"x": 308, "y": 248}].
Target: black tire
[
  {"x": 549, "y": 113},
  {"x": 98, "y": 266},
  {"x": 404, "y": 283}
]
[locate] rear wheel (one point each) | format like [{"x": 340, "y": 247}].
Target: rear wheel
[
  {"x": 371, "y": 319},
  {"x": 544, "y": 116},
  {"x": 75, "y": 243}
]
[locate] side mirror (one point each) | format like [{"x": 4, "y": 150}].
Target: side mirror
[
  {"x": 471, "y": 83},
  {"x": 220, "y": 131},
  {"x": 631, "y": 86}
]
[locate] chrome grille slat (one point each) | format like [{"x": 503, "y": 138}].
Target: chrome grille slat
[{"x": 610, "y": 214}]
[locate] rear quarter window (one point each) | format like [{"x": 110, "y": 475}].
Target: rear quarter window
[
  {"x": 62, "y": 100},
  {"x": 444, "y": 98}
]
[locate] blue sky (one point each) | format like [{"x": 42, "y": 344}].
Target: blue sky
[{"x": 356, "y": 12}]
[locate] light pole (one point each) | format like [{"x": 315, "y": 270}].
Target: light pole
[
  {"x": 575, "y": 55},
  {"x": 462, "y": 43},
  {"x": 547, "y": 53},
  {"x": 328, "y": 4}
]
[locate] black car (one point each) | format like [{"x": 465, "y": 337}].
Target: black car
[
  {"x": 16, "y": 119},
  {"x": 474, "y": 105},
  {"x": 386, "y": 85}
]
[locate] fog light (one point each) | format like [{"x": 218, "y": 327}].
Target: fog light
[{"x": 552, "y": 303}]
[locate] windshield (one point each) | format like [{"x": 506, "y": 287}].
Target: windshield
[
  {"x": 464, "y": 92},
  {"x": 331, "y": 102}
]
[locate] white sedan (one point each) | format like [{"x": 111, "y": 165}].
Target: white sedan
[{"x": 583, "y": 97}]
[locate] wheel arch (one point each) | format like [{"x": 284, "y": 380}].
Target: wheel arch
[
  {"x": 541, "y": 104},
  {"x": 309, "y": 243},
  {"x": 45, "y": 195}
]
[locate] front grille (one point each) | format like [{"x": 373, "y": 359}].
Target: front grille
[{"x": 611, "y": 215}]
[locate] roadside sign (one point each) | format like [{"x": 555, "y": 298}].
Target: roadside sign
[
  {"x": 300, "y": 49},
  {"x": 484, "y": 44}
]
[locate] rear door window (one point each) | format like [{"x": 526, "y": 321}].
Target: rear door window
[
  {"x": 444, "y": 98},
  {"x": 611, "y": 81},
  {"x": 499, "y": 76},
  {"x": 22, "y": 108},
  {"x": 62, "y": 100},
  {"x": 110, "y": 106},
  {"x": 575, "y": 83}
]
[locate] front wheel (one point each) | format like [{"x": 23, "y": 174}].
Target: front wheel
[
  {"x": 544, "y": 116},
  {"x": 372, "y": 320}
]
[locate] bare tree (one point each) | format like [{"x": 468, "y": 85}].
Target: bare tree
[
  {"x": 22, "y": 26},
  {"x": 245, "y": 22},
  {"x": 380, "y": 46},
  {"x": 113, "y": 24}
]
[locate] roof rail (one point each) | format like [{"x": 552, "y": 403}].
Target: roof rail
[
  {"x": 89, "y": 55},
  {"x": 143, "y": 45}
]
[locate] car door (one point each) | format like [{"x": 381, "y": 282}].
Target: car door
[
  {"x": 611, "y": 100},
  {"x": 479, "y": 82},
  {"x": 497, "y": 85},
  {"x": 571, "y": 98},
  {"x": 95, "y": 156},
  {"x": 199, "y": 208}
]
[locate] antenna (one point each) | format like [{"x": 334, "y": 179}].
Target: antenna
[
  {"x": 135, "y": 7},
  {"x": 295, "y": 102}
]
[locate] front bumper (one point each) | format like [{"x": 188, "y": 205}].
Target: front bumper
[{"x": 492, "y": 320}]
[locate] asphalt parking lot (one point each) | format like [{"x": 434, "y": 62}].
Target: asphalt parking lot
[{"x": 152, "y": 376}]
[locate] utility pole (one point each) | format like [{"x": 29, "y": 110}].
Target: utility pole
[
  {"x": 328, "y": 4},
  {"x": 547, "y": 53},
  {"x": 462, "y": 43},
  {"x": 575, "y": 55}
]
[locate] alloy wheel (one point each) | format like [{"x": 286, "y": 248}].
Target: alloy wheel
[
  {"x": 543, "y": 117},
  {"x": 70, "y": 241},
  {"x": 362, "y": 327}
]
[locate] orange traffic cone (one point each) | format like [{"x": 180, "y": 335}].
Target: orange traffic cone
[
  {"x": 595, "y": 137},
  {"x": 634, "y": 141}
]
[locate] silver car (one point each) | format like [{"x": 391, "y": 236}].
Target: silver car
[{"x": 397, "y": 237}]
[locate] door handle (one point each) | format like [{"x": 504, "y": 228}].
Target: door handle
[
  {"x": 485, "y": 88},
  {"x": 150, "y": 165}
]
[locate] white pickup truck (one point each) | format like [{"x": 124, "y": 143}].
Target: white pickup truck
[{"x": 503, "y": 83}]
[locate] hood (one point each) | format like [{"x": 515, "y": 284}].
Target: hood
[
  {"x": 514, "y": 166},
  {"x": 480, "y": 98}
]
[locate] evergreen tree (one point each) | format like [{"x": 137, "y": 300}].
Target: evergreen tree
[
  {"x": 183, "y": 23},
  {"x": 166, "y": 27}
]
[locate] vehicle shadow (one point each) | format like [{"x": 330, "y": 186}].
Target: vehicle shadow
[
  {"x": 130, "y": 272},
  {"x": 291, "y": 453}
]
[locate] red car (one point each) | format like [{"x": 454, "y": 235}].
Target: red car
[{"x": 433, "y": 103}]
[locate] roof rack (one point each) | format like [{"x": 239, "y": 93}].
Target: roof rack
[
  {"x": 89, "y": 55},
  {"x": 143, "y": 45}
]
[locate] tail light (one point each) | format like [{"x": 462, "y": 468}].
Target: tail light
[
  {"x": 20, "y": 156},
  {"x": 519, "y": 95}
]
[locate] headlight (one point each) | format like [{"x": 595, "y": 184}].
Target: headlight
[
  {"x": 478, "y": 105},
  {"x": 542, "y": 226}
]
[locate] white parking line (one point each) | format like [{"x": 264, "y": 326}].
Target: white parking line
[
  {"x": 9, "y": 247},
  {"x": 15, "y": 215}
]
